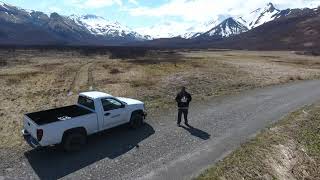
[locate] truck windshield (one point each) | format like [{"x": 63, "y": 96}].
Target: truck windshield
[{"x": 84, "y": 101}]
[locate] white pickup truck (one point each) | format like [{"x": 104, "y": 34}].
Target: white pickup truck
[{"x": 69, "y": 126}]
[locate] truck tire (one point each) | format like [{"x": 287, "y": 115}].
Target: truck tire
[
  {"x": 74, "y": 141},
  {"x": 136, "y": 120}
]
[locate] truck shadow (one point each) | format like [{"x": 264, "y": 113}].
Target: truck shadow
[{"x": 53, "y": 163}]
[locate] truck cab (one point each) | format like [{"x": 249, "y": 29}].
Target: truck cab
[{"x": 111, "y": 111}]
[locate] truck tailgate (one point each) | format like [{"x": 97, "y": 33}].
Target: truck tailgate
[{"x": 30, "y": 127}]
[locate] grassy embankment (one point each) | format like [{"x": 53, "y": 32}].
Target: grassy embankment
[{"x": 288, "y": 150}]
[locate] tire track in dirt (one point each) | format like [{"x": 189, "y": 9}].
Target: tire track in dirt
[
  {"x": 83, "y": 79},
  {"x": 90, "y": 83}
]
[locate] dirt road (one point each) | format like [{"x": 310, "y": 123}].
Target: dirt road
[
  {"x": 164, "y": 150},
  {"x": 82, "y": 79}
]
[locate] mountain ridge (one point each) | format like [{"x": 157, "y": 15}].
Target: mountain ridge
[
  {"x": 57, "y": 29},
  {"x": 21, "y": 26}
]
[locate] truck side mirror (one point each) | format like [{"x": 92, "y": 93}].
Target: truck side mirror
[{"x": 123, "y": 106}]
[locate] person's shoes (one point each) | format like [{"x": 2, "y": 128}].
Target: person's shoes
[
  {"x": 178, "y": 124},
  {"x": 187, "y": 124}
]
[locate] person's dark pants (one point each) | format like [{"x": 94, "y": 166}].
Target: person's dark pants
[{"x": 185, "y": 114}]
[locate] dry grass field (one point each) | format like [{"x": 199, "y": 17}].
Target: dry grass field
[{"x": 33, "y": 80}]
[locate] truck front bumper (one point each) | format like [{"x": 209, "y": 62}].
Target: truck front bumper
[{"x": 29, "y": 139}]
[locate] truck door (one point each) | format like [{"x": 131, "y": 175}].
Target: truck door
[{"x": 113, "y": 112}]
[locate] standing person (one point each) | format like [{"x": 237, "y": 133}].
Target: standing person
[{"x": 183, "y": 99}]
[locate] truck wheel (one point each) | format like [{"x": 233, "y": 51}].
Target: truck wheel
[
  {"x": 74, "y": 141},
  {"x": 136, "y": 120}
]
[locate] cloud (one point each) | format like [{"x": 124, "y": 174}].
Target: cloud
[
  {"x": 95, "y": 3},
  {"x": 203, "y": 10},
  {"x": 133, "y": 2},
  {"x": 165, "y": 29},
  {"x": 55, "y": 9},
  {"x": 188, "y": 10},
  {"x": 180, "y": 16}
]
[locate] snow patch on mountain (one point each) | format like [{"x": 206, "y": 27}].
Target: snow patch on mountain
[
  {"x": 227, "y": 28},
  {"x": 100, "y": 26},
  {"x": 259, "y": 16},
  {"x": 3, "y": 5}
]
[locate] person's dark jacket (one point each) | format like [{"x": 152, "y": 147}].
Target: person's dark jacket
[{"x": 183, "y": 99}]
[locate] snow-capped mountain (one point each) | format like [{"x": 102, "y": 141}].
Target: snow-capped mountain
[
  {"x": 289, "y": 13},
  {"x": 99, "y": 26},
  {"x": 20, "y": 26},
  {"x": 234, "y": 26},
  {"x": 300, "y": 27},
  {"x": 259, "y": 16},
  {"x": 269, "y": 13},
  {"x": 227, "y": 28}
]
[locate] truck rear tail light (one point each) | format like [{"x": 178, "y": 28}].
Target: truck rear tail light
[{"x": 39, "y": 134}]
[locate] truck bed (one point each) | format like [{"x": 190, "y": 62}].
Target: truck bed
[{"x": 58, "y": 114}]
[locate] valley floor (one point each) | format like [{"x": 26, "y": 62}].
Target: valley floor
[{"x": 33, "y": 80}]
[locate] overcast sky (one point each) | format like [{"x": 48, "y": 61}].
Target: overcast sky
[{"x": 144, "y": 13}]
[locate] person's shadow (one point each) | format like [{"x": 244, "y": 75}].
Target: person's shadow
[
  {"x": 51, "y": 163},
  {"x": 197, "y": 132}
]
